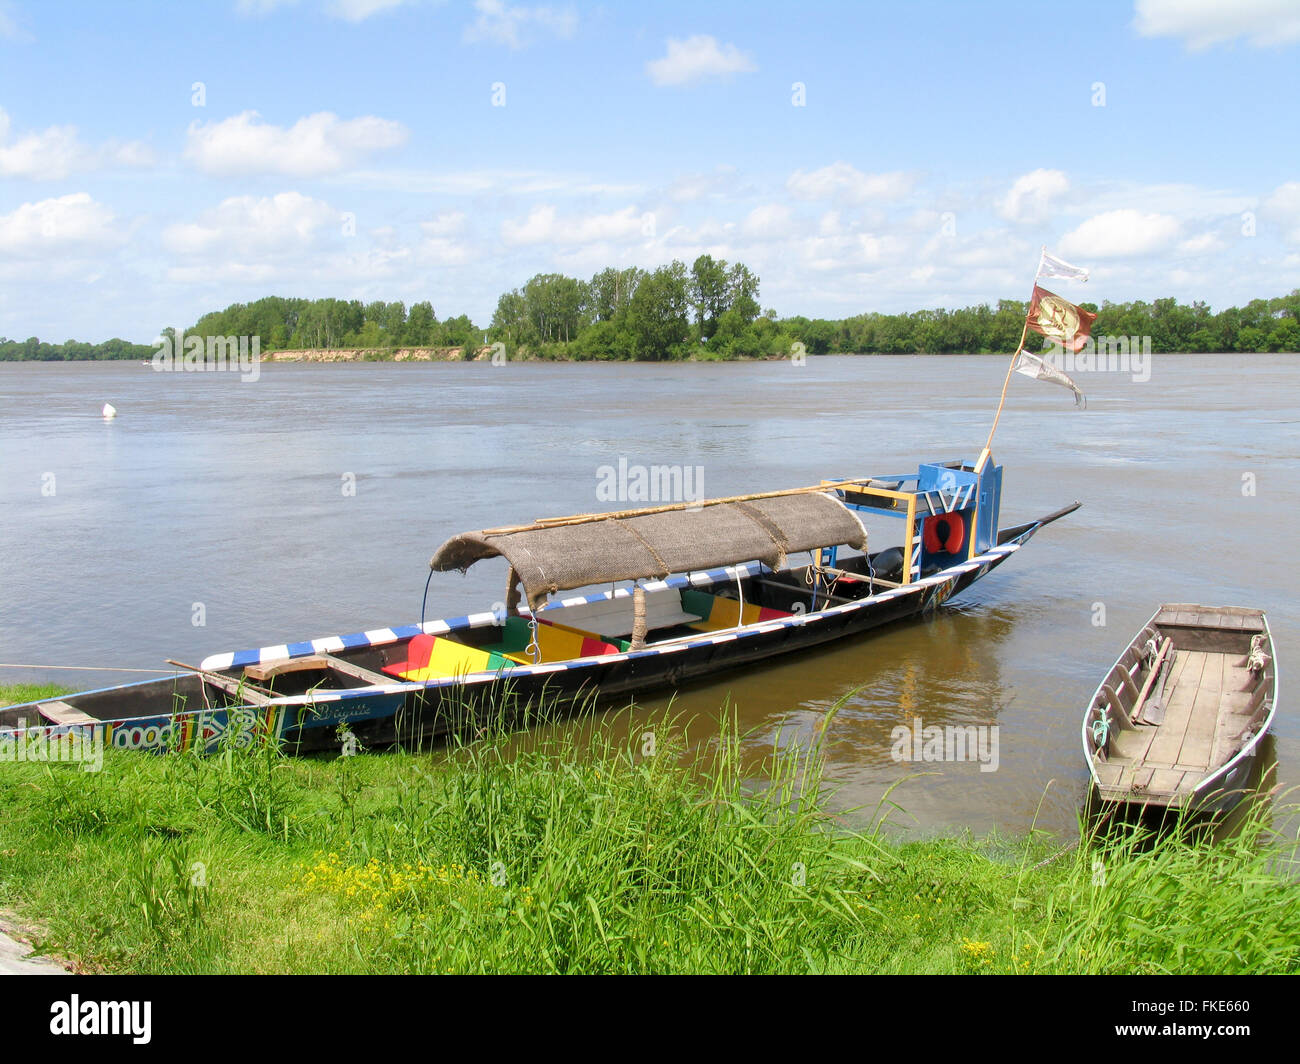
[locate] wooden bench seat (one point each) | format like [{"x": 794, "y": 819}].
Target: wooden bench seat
[
  {"x": 268, "y": 670},
  {"x": 612, "y": 618},
  {"x": 62, "y": 713}
]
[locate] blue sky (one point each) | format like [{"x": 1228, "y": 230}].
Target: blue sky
[{"x": 448, "y": 151}]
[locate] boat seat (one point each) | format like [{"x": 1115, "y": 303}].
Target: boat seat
[
  {"x": 62, "y": 713},
  {"x": 262, "y": 672},
  {"x": 430, "y": 657},
  {"x": 612, "y": 618},
  {"x": 556, "y": 642},
  {"x": 718, "y": 613}
]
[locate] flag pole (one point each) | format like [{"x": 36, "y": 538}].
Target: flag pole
[{"x": 984, "y": 454}]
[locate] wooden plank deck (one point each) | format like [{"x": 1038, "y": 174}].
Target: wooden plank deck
[
  {"x": 1133, "y": 746},
  {"x": 1198, "y": 740},
  {"x": 1180, "y": 699}
]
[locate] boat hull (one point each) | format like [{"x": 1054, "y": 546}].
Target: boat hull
[
  {"x": 1198, "y": 751},
  {"x": 175, "y": 713}
]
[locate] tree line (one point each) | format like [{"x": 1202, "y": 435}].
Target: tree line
[
  {"x": 710, "y": 310},
  {"x": 34, "y": 350},
  {"x": 293, "y": 324},
  {"x": 1262, "y": 325}
]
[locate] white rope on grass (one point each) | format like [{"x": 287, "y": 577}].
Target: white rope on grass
[{"x": 85, "y": 668}]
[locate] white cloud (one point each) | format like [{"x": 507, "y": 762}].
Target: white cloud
[
  {"x": 56, "y": 152},
  {"x": 1121, "y": 233},
  {"x": 439, "y": 251},
  {"x": 1284, "y": 205},
  {"x": 696, "y": 58},
  {"x": 9, "y": 26},
  {"x": 771, "y": 221},
  {"x": 318, "y": 144},
  {"x": 348, "y": 10},
  {"x": 544, "y": 226},
  {"x": 67, "y": 224},
  {"x": 721, "y": 181},
  {"x": 1204, "y": 23},
  {"x": 439, "y": 247},
  {"x": 1031, "y": 195},
  {"x": 261, "y": 7},
  {"x": 1181, "y": 200},
  {"x": 843, "y": 251},
  {"x": 988, "y": 249},
  {"x": 426, "y": 183},
  {"x": 1201, "y": 244},
  {"x": 499, "y": 23},
  {"x": 287, "y": 223},
  {"x": 445, "y": 224},
  {"x": 844, "y": 182},
  {"x": 360, "y": 10}
]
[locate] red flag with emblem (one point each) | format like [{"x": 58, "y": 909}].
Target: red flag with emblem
[{"x": 1059, "y": 320}]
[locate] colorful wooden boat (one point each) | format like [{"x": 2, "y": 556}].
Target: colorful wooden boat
[
  {"x": 686, "y": 591},
  {"x": 1178, "y": 720}
]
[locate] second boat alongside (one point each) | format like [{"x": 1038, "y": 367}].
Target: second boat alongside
[{"x": 1178, "y": 720}]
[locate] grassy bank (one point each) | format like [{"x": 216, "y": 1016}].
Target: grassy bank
[{"x": 586, "y": 854}]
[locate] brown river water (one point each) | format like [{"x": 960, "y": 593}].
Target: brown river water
[{"x": 215, "y": 513}]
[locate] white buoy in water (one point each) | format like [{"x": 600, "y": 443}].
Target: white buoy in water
[{"x": 109, "y": 411}]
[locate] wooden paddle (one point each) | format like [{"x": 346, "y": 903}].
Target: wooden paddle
[
  {"x": 1155, "y": 712},
  {"x": 1157, "y": 667}
]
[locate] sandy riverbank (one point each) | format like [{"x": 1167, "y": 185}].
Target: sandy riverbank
[{"x": 378, "y": 354}]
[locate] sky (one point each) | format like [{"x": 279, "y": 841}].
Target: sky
[{"x": 160, "y": 160}]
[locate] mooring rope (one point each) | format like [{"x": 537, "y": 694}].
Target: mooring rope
[{"x": 85, "y": 668}]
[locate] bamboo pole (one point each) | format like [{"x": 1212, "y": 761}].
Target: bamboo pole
[
  {"x": 512, "y": 593},
  {"x": 577, "y": 519},
  {"x": 638, "y": 618},
  {"x": 1011, "y": 366}
]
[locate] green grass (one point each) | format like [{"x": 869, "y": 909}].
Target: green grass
[
  {"x": 29, "y": 692},
  {"x": 570, "y": 850}
]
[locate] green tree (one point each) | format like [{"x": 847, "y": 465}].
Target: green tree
[
  {"x": 657, "y": 317},
  {"x": 420, "y": 324},
  {"x": 710, "y": 293}
]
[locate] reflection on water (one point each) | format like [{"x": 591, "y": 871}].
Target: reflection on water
[{"x": 207, "y": 491}]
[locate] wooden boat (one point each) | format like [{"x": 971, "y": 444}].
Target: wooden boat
[
  {"x": 686, "y": 591},
  {"x": 1178, "y": 720}
]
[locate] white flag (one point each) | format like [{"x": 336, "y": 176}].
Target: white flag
[
  {"x": 1051, "y": 266},
  {"x": 1042, "y": 370}
]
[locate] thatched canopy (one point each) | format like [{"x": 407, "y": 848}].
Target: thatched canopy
[{"x": 651, "y": 545}]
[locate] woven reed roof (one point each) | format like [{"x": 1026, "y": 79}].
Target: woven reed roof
[{"x": 652, "y": 545}]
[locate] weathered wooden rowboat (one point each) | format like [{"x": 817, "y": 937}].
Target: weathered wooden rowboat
[
  {"x": 688, "y": 591},
  {"x": 1178, "y": 720}
]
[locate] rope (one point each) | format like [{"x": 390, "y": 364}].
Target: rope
[
  {"x": 1059, "y": 853},
  {"x": 663, "y": 567},
  {"x": 534, "y": 648},
  {"x": 85, "y": 668},
  {"x": 425, "y": 601},
  {"x": 1100, "y": 730}
]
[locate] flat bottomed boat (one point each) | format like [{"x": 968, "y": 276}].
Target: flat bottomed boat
[{"x": 1178, "y": 720}]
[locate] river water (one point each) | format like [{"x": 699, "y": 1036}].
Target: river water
[{"x": 215, "y": 513}]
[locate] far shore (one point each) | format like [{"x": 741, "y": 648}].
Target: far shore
[
  {"x": 485, "y": 353},
  {"x": 380, "y": 354}
]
